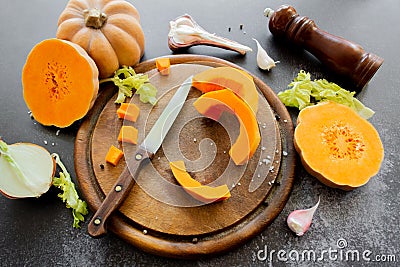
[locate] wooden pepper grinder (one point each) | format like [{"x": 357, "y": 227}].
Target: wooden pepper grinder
[{"x": 337, "y": 54}]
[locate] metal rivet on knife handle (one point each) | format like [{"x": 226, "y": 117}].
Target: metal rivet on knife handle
[
  {"x": 138, "y": 156},
  {"x": 97, "y": 221},
  {"x": 118, "y": 188}
]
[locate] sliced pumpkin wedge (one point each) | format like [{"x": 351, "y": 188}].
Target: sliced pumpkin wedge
[
  {"x": 213, "y": 103},
  {"x": 203, "y": 193},
  {"x": 236, "y": 80}
]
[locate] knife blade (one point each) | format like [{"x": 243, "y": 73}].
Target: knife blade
[{"x": 142, "y": 155}]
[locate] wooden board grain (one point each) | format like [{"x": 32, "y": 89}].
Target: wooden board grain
[{"x": 158, "y": 216}]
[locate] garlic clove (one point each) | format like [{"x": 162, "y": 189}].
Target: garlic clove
[
  {"x": 299, "y": 221},
  {"x": 185, "y": 32},
  {"x": 268, "y": 12},
  {"x": 264, "y": 61}
]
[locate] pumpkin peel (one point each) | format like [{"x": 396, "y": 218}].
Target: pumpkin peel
[{"x": 338, "y": 146}]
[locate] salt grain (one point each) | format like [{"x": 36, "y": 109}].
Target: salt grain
[{"x": 266, "y": 161}]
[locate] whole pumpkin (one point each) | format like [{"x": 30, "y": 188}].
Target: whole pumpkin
[{"x": 109, "y": 30}]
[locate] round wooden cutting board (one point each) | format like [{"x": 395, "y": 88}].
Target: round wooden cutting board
[{"x": 158, "y": 216}]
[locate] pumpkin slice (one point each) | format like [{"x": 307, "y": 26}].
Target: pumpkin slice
[
  {"x": 60, "y": 82},
  {"x": 338, "y": 146},
  {"x": 194, "y": 188},
  {"x": 240, "y": 82},
  {"x": 213, "y": 103}
]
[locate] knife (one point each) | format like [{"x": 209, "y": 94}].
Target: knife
[{"x": 143, "y": 154}]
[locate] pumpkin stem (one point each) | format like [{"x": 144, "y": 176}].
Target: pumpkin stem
[{"x": 94, "y": 18}]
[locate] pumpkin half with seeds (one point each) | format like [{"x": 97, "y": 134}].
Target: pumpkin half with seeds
[
  {"x": 337, "y": 146},
  {"x": 109, "y": 30},
  {"x": 60, "y": 82}
]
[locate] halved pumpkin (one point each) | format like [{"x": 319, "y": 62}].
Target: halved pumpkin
[
  {"x": 337, "y": 146},
  {"x": 194, "y": 188},
  {"x": 213, "y": 103},
  {"x": 240, "y": 82},
  {"x": 60, "y": 82}
]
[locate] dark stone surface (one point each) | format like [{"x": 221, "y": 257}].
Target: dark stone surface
[{"x": 38, "y": 232}]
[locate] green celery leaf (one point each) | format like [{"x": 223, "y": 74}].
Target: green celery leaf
[
  {"x": 69, "y": 194},
  {"x": 303, "y": 92},
  {"x": 147, "y": 93},
  {"x": 127, "y": 80}
]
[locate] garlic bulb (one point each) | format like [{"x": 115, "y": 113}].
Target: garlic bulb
[
  {"x": 264, "y": 61},
  {"x": 185, "y": 32},
  {"x": 299, "y": 221}
]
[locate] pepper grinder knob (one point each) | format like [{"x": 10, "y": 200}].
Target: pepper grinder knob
[{"x": 339, "y": 55}]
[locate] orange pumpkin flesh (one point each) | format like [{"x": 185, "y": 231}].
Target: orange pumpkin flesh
[
  {"x": 128, "y": 111},
  {"x": 109, "y": 30},
  {"x": 240, "y": 82},
  {"x": 213, "y": 103},
  {"x": 114, "y": 155},
  {"x": 337, "y": 146},
  {"x": 198, "y": 191},
  {"x": 60, "y": 82}
]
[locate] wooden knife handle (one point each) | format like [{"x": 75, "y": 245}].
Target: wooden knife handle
[
  {"x": 336, "y": 53},
  {"x": 118, "y": 193}
]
